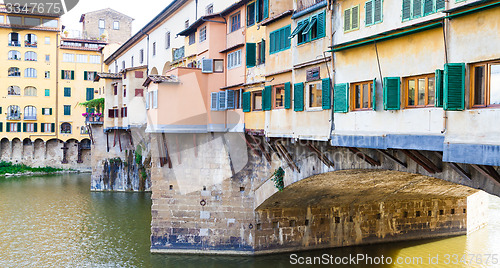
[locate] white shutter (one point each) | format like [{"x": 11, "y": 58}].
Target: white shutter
[
  {"x": 222, "y": 100},
  {"x": 214, "y": 99},
  {"x": 147, "y": 100},
  {"x": 230, "y": 101},
  {"x": 155, "y": 99},
  {"x": 207, "y": 65}
]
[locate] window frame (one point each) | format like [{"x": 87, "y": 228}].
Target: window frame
[
  {"x": 232, "y": 59},
  {"x": 235, "y": 24},
  {"x": 273, "y": 39},
  {"x": 254, "y": 95},
  {"x": 352, "y": 93},
  {"x": 373, "y": 13},
  {"x": 350, "y": 19},
  {"x": 203, "y": 34},
  {"x": 487, "y": 84},
  {"x": 249, "y": 8},
  {"x": 192, "y": 38},
  {"x": 115, "y": 23},
  {"x": 405, "y": 81},
  {"x": 274, "y": 104},
  {"x": 307, "y": 96},
  {"x": 103, "y": 24}
]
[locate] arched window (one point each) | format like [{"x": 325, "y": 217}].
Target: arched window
[
  {"x": 66, "y": 128},
  {"x": 14, "y": 72},
  {"x": 30, "y": 72},
  {"x": 30, "y": 113},
  {"x": 30, "y": 91},
  {"x": 30, "y": 56},
  {"x": 30, "y": 40},
  {"x": 14, "y": 40},
  {"x": 14, "y": 55},
  {"x": 14, "y": 91},
  {"x": 13, "y": 113}
]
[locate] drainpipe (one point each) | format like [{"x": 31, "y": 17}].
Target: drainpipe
[
  {"x": 332, "y": 79},
  {"x": 445, "y": 31},
  {"x": 147, "y": 53},
  {"x": 196, "y": 10}
]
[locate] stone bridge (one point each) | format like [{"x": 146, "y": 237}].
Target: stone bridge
[{"x": 214, "y": 194}]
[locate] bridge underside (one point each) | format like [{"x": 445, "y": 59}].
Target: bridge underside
[{"x": 354, "y": 207}]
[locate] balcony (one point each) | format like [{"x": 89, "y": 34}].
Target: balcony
[
  {"x": 30, "y": 117},
  {"x": 14, "y": 117},
  {"x": 97, "y": 120},
  {"x": 303, "y": 4},
  {"x": 14, "y": 44},
  {"x": 30, "y": 44}
]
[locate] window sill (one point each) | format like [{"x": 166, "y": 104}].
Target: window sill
[
  {"x": 315, "y": 109},
  {"x": 310, "y": 41},
  {"x": 495, "y": 106},
  {"x": 362, "y": 110},
  {"x": 419, "y": 107}
]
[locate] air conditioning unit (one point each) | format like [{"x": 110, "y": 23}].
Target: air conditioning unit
[{"x": 207, "y": 65}]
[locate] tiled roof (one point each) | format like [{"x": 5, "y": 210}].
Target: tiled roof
[{"x": 160, "y": 79}]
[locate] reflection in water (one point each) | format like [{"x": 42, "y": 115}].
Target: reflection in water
[{"x": 58, "y": 222}]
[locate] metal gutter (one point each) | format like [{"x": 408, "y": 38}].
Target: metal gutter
[
  {"x": 474, "y": 10},
  {"x": 309, "y": 9}
]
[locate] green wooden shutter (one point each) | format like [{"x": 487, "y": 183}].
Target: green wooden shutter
[
  {"x": 355, "y": 17},
  {"x": 1, "y": 126},
  {"x": 369, "y": 13},
  {"x": 288, "y": 41},
  {"x": 406, "y": 10},
  {"x": 50, "y": 111},
  {"x": 326, "y": 99},
  {"x": 24, "y": 127},
  {"x": 42, "y": 127},
  {"x": 247, "y": 97},
  {"x": 377, "y": 11},
  {"x": 272, "y": 43},
  {"x": 62, "y": 74},
  {"x": 251, "y": 57},
  {"x": 417, "y": 8},
  {"x": 0, "y": 110},
  {"x": 35, "y": 127},
  {"x": 267, "y": 95},
  {"x": 392, "y": 93},
  {"x": 341, "y": 98},
  {"x": 439, "y": 88},
  {"x": 18, "y": 127},
  {"x": 298, "y": 97},
  {"x": 72, "y": 75},
  {"x": 454, "y": 87},
  {"x": 7, "y": 127},
  {"x": 265, "y": 12},
  {"x": 440, "y": 4},
  {"x": 85, "y": 76},
  {"x": 374, "y": 94},
  {"x": 321, "y": 25},
  {"x": 53, "y": 127},
  {"x": 263, "y": 51},
  {"x": 288, "y": 95},
  {"x": 90, "y": 94},
  {"x": 428, "y": 7},
  {"x": 257, "y": 9},
  {"x": 347, "y": 20}
]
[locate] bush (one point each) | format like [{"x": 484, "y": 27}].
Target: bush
[{"x": 7, "y": 167}]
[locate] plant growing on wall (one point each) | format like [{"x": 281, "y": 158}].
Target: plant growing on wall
[
  {"x": 277, "y": 178},
  {"x": 96, "y": 104}
]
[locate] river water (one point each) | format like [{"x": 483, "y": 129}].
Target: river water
[{"x": 55, "y": 221}]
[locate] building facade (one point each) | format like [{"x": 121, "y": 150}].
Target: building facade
[{"x": 106, "y": 24}]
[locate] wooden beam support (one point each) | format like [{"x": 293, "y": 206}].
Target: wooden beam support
[
  {"x": 262, "y": 149},
  {"x": 392, "y": 158},
  {"x": 427, "y": 161},
  {"x": 283, "y": 156},
  {"x": 287, "y": 155},
  {"x": 251, "y": 146},
  {"x": 114, "y": 138},
  {"x": 178, "y": 149},
  {"x": 120, "y": 141},
  {"x": 274, "y": 149},
  {"x": 363, "y": 156},
  {"x": 485, "y": 172},
  {"x": 460, "y": 170},
  {"x": 167, "y": 155},
  {"x": 418, "y": 161},
  {"x": 320, "y": 155}
]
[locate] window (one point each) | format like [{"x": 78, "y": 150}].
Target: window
[
  {"x": 30, "y": 72},
  {"x": 47, "y": 40},
  {"x": 13, "y": 112},
  {"x": 210, "y": 9},
  {"x": 14, "y": 91},
  {"x": 30, "y": 91},
  {"x": 413, "y": 9},
  {"x": 48, "y": 127},
  {"x": 30, "y": 40},
  {"x": 116, "y": 25},
  {"x": 154, "y": 48},
  {"x": 167, "y": 40},
  {"x": 68, "y": 57},
  {"x": 485, "y": 84},
  {"x": 81, "y": 58},
  {"x": 31, "y": 21},
  {"x": 361, "y": 95},
  {"x": 351, "y": 19},
  {"x": 96, "y": 59},
  {"x": 47, "y": 74},
  {"x": 257, "y": 101},
  {"x": 235, "y": 22},
  {"x": 47, "y": 58},
  {"x": 50, "y": 23},
  {"x": 14, "y": 40},
  {"x": 234, "y": 59},
  {"x": 66, "y": 128},
  {"x": 67, "y": 75},
  {"x": 310, "y": 29},
  {"x": 279, "y": 97},
  {"x": 251, "y": 14},
  {"x": 13, "y": 127},
  {"x": 261, "y": 52},
  {"x": 262, "y": 10},
  {"x": 47, "y": 93},
  {"x": 315, "y": 95},
  {"x": 141, "y": 56},
  {"x": 14, "y": 72},
  {"x": 67, "y": 109},
  {"x": 47, "y": 111},
  {"x": 420, "y": 90},
  {"x": 90, "y": 94},
  {"x": 115, "y": 89},
  {"x": 139, "y": 92},
  {"x": 132, "y": 61},
  {"x": 373, "y": 12},
  {"x": 89, "y": 76},
  {"x": 124, "y": 111},
  {"x": 14, "y": 20},
  {"x": 29, "y": 113},
  {"x": 203, "y": 33},
  {"x": 124, "y": 91},
  {"x": 67, "y": 92},
  {"x": 29, "y": 127},
  {"x": 123, "y": 65},
  {"x": 279, "y": 40},
  {"x": 218, "y": 66},
  {"x": 14, "y": 55},
  {"x": 102, "y": 24},
  {"x": 186, "y": 24},
  {"x": 30, "y": 56},
  {"x": 192, "y": 38}
]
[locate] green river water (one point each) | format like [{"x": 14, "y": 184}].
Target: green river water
[{"x": 55, "y": 221}]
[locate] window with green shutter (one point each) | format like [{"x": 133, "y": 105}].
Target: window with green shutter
[
  {"x": 298, "y": 97},
  {"x": 373, "y": 12},
  {"x": 413, "y": 9},
  {"x": 1, "y": 126},
  {"x": 326, "y": 94},
  {"x": 47, "y": 92},
  {"x": 439, "y": 87},
  {"x": 267, "y": 98},
  {"x": 288, "y": 95},
  {"x": 454, "y": 87},
  {"x": 351, "y": 19},
  {"x": 251, "y": 50},
  {"x": 310, "y": 29},
  {"x": 18, "y": 127},
  {"x": 247, "y": 102},
  {"x": 392, "y": 93},
  {"x": 341, "y": 98},
  {"x": 90, "y": 94},
  {"x": 280, "y": 40},
  {"x": 67, "y": 92},
  {"x": 67, "y": 109}
]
